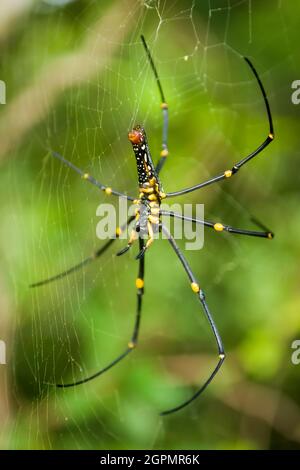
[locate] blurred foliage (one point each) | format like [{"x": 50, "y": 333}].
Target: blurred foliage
[{"x": 48, "y": 218}]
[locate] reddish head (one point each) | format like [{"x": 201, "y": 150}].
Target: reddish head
[
  {"x": 137, "y": 135},
  {"x": 145, "y": 167}
]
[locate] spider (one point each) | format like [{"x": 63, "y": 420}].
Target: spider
[{"x": 148, "y": 220}]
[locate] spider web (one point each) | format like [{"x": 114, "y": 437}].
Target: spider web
[{"x": 72, "y": 328}]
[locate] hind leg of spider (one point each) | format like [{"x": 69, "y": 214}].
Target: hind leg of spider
[
  {"x": 164, "y": 107},
  {"x": 86, "y": 261},
  {"x": 87, "y": 177},
  {"x": 134, "y": 338},
  {"x": 199, "y": 292}
]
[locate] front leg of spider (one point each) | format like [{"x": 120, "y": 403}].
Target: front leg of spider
[{"x": 228, "y": 173}]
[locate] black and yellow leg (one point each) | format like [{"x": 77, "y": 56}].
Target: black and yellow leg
[
  {"x": 86, "y": 261},
  {"x": 131, "y": 240},
  {"x": 219, "y": 227},
  {"x": 164, "y": 148},
  {"x": 87, "y": 177},
  {"x": 164, "y": 107},
  {"x": 199, "y": 292},
  {"x": 230, "y": 172},
  {"x": 139, "y": 284},
  {"x": 134, "y": 338}
]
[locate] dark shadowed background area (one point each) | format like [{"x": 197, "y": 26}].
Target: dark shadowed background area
[{"x": 77, "y": 79}]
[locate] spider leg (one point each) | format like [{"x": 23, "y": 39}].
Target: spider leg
[
  {"x": 131, "y": 240},
  {"x": 243, "y": 161},
  {"x": 86, "y": 176},
  {"x": 148, "y": 243},
  {"x": 165, "y": 113},
  {"x": 195, "y": 288},
  {"x": 219, "y": 227},
  {"x": 86, "y": 261},
  {"x": 134, "y": 338}
]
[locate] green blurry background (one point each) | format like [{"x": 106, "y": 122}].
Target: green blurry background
[{"x": 77, "y": 78}]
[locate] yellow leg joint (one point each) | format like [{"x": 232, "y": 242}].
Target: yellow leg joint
[
  {"x": 132, "y": 237},
  {"x": 85, "y": 176},
  {"x": 139, "y": 283},
  {"x": 146, "y": 190},
  {"x": 118, "y": 231},
  {"x": 270, "y": 235},
  {"x": 164, "y": 106},
  {"x": 153, "y": 219},
  {"x": 149, "y": 242},
  {"x": 131, "y": 345},
  {"x": 228, "y": 173},
  {"x": 155, "y": 210},
  {"x": 164, "y": 153},
  {"x": 162, "y": 195},
  {"x": 108, "y": 191},
  {"x": 222, "y": 356},
  {"x": 195, "y": 287},
  {"x": 219, "y": 227},
  {"x": 153, "y": 181},
  {"x": 271, "y": 136}
]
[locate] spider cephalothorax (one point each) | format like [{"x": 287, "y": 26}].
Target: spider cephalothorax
[{"x": 147, "y": 220}]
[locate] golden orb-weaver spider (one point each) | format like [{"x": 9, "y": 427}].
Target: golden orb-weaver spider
[{"x": 148, "y": 219}]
